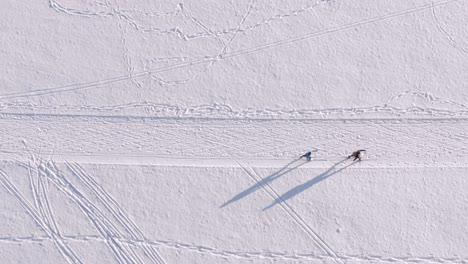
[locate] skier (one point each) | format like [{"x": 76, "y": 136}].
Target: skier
[
  {"x": 356, "y": 155},
  {"x": 307, "y": 156}
]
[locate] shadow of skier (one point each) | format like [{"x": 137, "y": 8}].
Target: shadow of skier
[
  {"x": 300, "y": 188},
  {"x": 266, "y": 180}
]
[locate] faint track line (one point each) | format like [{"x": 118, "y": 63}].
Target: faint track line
[
  {"x": 274, "y": 18},
  {"x": 233, "y": 35},
  {"x": 197, "y": 22},
  {"x": 337, "y": 29},
  {"x": 124, "y": 13},
  {"x": 452, "y": 41},
  {"x": 292, "y": 213},
  {"x": 246, "y": 254}
]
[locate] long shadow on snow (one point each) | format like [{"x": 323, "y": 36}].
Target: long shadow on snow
[
  {"x": 300, "y": 188},
  {"x": 267, "y": 180}
]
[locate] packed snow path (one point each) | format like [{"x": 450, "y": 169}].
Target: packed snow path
[{"x": 219, "y": 142}]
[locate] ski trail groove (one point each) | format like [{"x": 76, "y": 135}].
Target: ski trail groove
[
  {"x": 69, "y": 255},
  {"x": 107, "y": 230},
  {"x": 45, "y": 210},
  {"x": 111, "y": 205}
]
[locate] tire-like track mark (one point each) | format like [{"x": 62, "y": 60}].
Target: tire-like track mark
[
  {"x": 64, "y": 249},
  {"x": 116, "y": 210},
  {"x": 247, "y": 254},
  {"x": 103, "y": 82},
  {"x": 292, "y": 213}
]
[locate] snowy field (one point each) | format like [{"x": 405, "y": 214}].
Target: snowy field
[{"x": 170, "y": 132}]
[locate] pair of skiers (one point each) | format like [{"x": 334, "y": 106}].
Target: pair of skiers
[{"x": 356, "y": 155}]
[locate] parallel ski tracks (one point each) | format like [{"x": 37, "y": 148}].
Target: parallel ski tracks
[
  {"x": 42, "y": 218},
  {"x": 41, "y": 173},
  {"x": 112, "y": 206}
]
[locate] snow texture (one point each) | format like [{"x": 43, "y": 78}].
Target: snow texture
[{"x": 171, "y": 132}]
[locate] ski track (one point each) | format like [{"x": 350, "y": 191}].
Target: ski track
[
  {"x": 41, "y": 219},
  {"x": 111, "y": 205},
  {"x": 106, "y": 226},
  {"x": 116, "y": 211},
  {"x": 243, "y": 254},
  {"x": 102, "y": 224},
  {"x": 452, "y": 41},
  {"x": 284, "y": 170}
]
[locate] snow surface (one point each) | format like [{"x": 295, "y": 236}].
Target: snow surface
[{"x": 169, "y": 132}]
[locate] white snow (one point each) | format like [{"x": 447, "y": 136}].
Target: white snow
[{"x": 169, "y": 132}]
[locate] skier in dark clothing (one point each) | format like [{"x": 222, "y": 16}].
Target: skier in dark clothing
[
  {"x": 356, "y": 155},
  {"x": 307, "y": 156}
]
